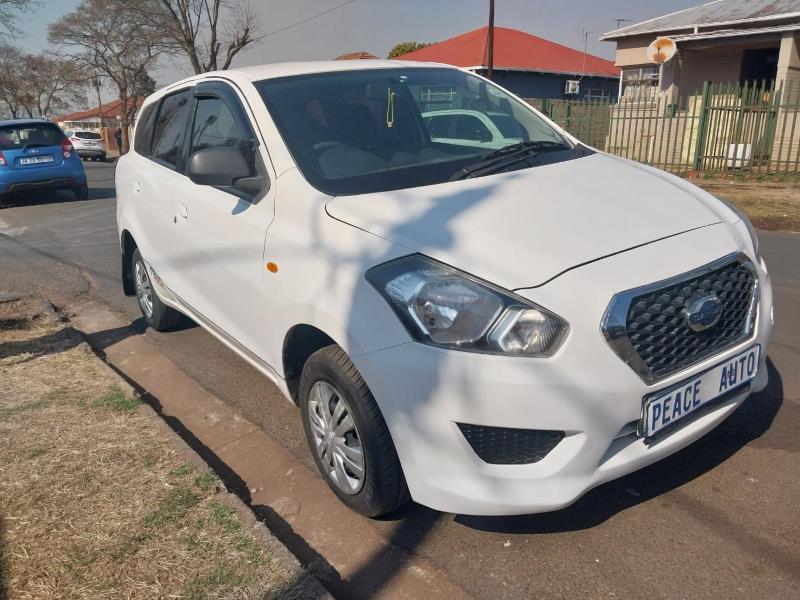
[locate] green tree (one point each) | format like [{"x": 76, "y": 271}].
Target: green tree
[
  {"x": 406, "y": 47},
  {"x": 144, "y": 85}
]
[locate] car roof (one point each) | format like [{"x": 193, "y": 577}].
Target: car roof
[
  {"x": 288, "y": 69},
  {"x": 272, "y": 71},
  {"x": 25, "y": 122}
]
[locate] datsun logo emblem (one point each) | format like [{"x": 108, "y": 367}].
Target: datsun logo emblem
[{"x": 704, "y": 313}]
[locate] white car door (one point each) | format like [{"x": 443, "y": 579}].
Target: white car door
[
  {"x": 219, "y": 232},
  {"x": 157, "y": 178}
]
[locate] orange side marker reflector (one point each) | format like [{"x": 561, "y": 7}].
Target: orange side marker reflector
[{"x": 272, "y": 267}]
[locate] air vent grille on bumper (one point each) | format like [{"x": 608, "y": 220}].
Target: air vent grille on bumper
[
  {"x": 507, "y": 446},
  {"x": 648, "y": 327}
]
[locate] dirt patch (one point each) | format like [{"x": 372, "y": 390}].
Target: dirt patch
[
  {"x": 95, "y": 501},
  {"x": 772, "y": 206}
]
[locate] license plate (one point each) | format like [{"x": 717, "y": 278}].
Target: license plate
[
  {"x": 664, "y": 408},
  {"x": 36, "y": 160}
]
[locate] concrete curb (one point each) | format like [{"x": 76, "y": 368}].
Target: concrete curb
[
  {"x": 348, "y": 554},
  {"x": 280, "y": 553}
]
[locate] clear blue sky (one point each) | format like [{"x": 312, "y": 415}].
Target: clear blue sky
[{"x": 375, "y": 25}]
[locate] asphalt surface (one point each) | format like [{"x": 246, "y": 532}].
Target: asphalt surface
[{"x": 719, "y": 519}]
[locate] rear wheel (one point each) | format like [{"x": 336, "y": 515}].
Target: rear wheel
[
  {"x": 157, "y": 314},
  {"x": 81, "y": 192},
  {"x": 348, "y": 435}
]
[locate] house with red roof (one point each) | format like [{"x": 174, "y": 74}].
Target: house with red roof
[
  {"x": 107, "y": 115},
  {"x": 529, "y": 66}
]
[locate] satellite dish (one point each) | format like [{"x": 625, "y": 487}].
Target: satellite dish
[{"x": 661, "y": 50}]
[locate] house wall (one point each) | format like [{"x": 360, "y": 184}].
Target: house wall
[
  {"x": 549, "y": 85},
  {"x": 717, "y": 61},
  {"x": 633, "y": 50}
]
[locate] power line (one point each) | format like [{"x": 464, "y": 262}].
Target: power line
[{"x": 311, "y": 18}]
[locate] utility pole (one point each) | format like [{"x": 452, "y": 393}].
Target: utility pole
[
  {"x": 621, "y": 20},
  {"x": 490, "y": 43},
  {"x": 96, "y": 86}
]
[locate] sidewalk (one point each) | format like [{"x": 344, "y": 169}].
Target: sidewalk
[{"x": 342, "y": 549}]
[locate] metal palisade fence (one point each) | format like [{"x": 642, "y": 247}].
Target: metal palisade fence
[{"x": 751, "y": 126}]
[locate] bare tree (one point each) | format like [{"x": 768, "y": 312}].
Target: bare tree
[
  {"x": 209, "y": 32},
  {"x": 51, "y": 83},
  {"x": 9, "y": 11},
  {"x": 111, "y": 38},
  {"x": 11, "y": 79}
]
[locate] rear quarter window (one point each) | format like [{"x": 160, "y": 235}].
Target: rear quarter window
[{"x": 144, "y": 130}]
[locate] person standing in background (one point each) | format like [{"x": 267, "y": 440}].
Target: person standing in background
[{"x": 118, "y": 138}]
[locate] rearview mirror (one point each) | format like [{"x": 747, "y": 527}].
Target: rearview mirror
[{"x": 218, "y": 167}]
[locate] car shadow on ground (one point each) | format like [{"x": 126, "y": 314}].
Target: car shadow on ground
[
  {"x": 42, "y": 197},
  {"x": 749, "y": 422}
]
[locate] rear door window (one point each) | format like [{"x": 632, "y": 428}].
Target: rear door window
[
  {"x": 170, "y": 130},
  {"x": 29, "y": 135}
]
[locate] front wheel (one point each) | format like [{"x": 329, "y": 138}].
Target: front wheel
[
  {"x": 348, "y": 435},
  {"x": 157, "y": 314}
]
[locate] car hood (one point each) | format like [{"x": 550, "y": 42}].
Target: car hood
[{"x": 523, "y": 228}]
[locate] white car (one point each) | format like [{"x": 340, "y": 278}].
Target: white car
[
  {"x": 483, "y": 332},
  {"x": 88, "y": 144},
  {"x": 473, "y": 128}
]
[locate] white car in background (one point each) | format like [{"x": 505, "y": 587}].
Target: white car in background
[
  {"x": 88, "y": 144},
  {"x": 488, "y": 129},
  {"x": 486, "y": 331}
]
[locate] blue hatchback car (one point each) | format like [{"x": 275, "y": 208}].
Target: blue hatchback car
[{"x": 37, "y": 155}]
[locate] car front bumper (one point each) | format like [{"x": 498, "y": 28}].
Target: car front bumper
[{"x": 585, "y": 390}]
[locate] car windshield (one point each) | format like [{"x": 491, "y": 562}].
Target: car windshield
[
  {"x": 29, "y": 135},
  {"x": 362, "y": 131},
  {"x": 88, "y": 135}
]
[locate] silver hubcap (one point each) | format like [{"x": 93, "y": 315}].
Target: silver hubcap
[
  {"x": 336, "y": 439},
  {"x": 144, "y": 291}
]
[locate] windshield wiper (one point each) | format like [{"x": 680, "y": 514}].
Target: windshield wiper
[
  {"x": 507, "y": 156},
  {"x": 525, "y": 148}
]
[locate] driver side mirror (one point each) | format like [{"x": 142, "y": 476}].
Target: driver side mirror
[{"x": 221, "y": 166}]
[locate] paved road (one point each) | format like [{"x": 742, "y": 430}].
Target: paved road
[{"x": 719, "y": 519}]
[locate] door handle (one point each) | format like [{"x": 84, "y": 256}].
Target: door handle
[{"x": 183, "y": 211}]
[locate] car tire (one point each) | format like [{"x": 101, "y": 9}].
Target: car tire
[
  {"x": 81, "y": 192},
  {"x": 329, "y": 379},
  {"x": 158, "y": 315}
]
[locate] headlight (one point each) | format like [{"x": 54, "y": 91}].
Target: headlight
[
  {"x": 750, "y": 229},
  {"x": 444, "y": 307}
]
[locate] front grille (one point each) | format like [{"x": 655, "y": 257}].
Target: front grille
[
  {"x": 648, "y": 326},
  {"x": 507, "y": 446}
]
